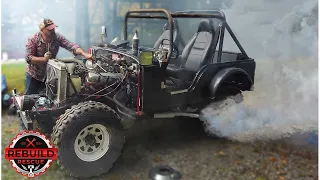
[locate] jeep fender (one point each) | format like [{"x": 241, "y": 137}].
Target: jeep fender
[{"x": 230, "y": 74}]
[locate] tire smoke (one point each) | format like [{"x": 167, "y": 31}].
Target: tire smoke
[{"x": 282, "y": 38}]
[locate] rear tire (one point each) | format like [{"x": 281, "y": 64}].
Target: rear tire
[
  {"x": 227, "y": 91},
  {"x": 89, "y": 138}
]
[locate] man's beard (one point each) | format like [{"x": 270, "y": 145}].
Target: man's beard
[{"x": 51, "y": 35}]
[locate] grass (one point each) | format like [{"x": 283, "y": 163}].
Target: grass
[{"x": 15, "y": 74}]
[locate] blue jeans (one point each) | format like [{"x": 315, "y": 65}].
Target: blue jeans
[{"x": 32, "y": 86}]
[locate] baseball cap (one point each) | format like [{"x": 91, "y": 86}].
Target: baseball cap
[{"x": 47, "y": 23}]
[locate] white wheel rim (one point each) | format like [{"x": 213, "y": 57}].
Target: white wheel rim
[{"x": 92, "y": 142}]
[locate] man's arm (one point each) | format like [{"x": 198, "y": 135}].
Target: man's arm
[
  {"x": 75, "y": 49},
  {"x": 31, "y": 52},
  {"x": 80, "y": 51}
]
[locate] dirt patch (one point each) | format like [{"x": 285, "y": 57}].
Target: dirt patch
[{"x": 183, "y": 145}]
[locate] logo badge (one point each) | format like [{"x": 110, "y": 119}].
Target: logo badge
[{"x": 30, "y": 153}]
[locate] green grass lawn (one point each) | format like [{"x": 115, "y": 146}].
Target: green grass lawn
[{"x": 15, "y": 74}]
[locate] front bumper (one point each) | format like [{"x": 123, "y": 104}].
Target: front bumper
[
  {"x": 27, "y": 121},
  {"x": 24, "y": 115}
]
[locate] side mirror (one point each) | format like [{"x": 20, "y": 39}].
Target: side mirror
[{"x": 103, "y": 33}]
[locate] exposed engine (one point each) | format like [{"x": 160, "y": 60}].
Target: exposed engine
[
  {"x": 109, "y": 73},
  {"x": 109, "y": 70}
]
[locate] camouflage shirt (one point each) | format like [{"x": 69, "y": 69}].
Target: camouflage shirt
[{"x": 36, "y": 46}]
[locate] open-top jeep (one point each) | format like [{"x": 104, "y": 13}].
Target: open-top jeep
[{"x": 128, "y": 82}]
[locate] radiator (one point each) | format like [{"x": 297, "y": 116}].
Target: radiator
[{"x": 56, "y": 82}]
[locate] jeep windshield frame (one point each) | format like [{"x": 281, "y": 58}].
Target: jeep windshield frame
[{"x": 154, "y": 14}]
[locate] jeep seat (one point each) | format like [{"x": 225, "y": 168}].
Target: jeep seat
[
  {"x": 196, "y": 53},
  {"x": 166, "y": 35}
]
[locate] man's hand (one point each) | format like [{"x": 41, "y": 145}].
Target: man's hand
[
  {"x": 47, "y": 56},
  {"x": 87, "y": 55},
  {"x": 39, "y": 60}
]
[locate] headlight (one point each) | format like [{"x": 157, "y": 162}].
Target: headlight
[{"x": 28, "y": 101}]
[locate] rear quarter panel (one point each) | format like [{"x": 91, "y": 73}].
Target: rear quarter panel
[{"x": 203, "y": 78}]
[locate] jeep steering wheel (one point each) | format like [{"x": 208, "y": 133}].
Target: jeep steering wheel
[{"x": 175, "y": 50}]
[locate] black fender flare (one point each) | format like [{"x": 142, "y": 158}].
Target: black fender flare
[{"x": 223, "y": 74}]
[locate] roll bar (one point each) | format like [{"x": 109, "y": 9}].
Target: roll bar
[
  {"x": 182, "y": 14},
  {"x": 170, "y": 21}
]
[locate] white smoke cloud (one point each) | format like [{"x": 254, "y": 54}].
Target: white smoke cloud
[
  {"x": 20, "y": 21},
  {"x": 282, "y": 37}
]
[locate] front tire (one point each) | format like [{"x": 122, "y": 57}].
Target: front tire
[{"x": 89, "y": 138}]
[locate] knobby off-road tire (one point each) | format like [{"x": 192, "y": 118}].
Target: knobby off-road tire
[
  {"x": 93, "y": 123},
  {"x": 229, "y": 91},
  {"x": 224, "y": 93}
]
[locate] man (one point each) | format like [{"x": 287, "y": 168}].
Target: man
[{"x": 41, "y": 47}]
